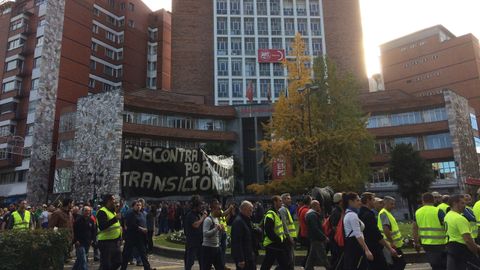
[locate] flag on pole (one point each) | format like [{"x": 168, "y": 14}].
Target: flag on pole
[{"x": 249, "y": 93}]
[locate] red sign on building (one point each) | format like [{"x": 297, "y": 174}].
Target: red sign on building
[
  {"x": 281, "y": 168},
  {"x": 271, "y": 55}
]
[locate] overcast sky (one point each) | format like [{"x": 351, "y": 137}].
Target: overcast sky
[{"x": 384, "y": 20}]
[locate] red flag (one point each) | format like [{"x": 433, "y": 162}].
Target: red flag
[
  {"x": 249, "y": 93},
  {"x": 269, "y": 94}
]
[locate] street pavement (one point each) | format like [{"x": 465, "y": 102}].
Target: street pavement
[{"x": 160, "y": 262}]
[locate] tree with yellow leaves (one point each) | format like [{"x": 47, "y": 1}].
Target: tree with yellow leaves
[{"x": 319, "y": 127}]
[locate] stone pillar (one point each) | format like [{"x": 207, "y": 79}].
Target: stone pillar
[
  {"x": 98, "y": 145},
  {"x": 42, "y": 152}
]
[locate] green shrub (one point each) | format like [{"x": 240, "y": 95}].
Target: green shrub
[{"x": 38, "y": 249}]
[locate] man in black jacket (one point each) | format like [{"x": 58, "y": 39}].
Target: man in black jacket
[
  {"x": 373, "y": 236},
  {"x": 84, "y": 231},
  {"x": 135, "y": 236},
  {"x": 243, "y": 238},
  {"x": 316, "y": 237}
]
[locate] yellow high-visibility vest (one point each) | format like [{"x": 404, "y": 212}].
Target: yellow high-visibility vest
[
  {"x": 20, "y": 223},
  {"x": 395, "y": 231},
  {"x": 111, "y": 233},
  {"x": 430, "y": 229},
  {"x": 278, "y": 229}
]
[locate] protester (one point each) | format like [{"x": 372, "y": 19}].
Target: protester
[
  {"x": 429, "y": 231},
  {"x": 109, "y": 234},
  {"x": 274, "y": 239},
  {"x": 444, "y": 204},
  {"x": 212, "y": 229},
  {"x": 476, "y": 212},
  {"x": 437, "y": 198},
  {"x": 303, "y": 230},
  {"x": 356, "y": 252},
  {"x": 289, "y": 228},
  {"x": 378, "y": 206},
  {"x": 43, "y": 218},
  {"x": 461, "y": 248},
  {"x": 243, "y": 239},
  {"x": 151, "y": 214},
  {"x": 222, "y": 219},
  {"x": 62, "y": 217},
  {"x": 316, "y": 237},
  {"x": 373, "y": 236},
  {"x": 84, "y": 231},
  {"x": 388, "y": 225},
  {"x": 135, "y": 236},
  {"x": 21, "y": 219},
  {"x": 259, "y": 212},
  {"x": 193, "y": 232},
  {"x": 8, "y": 216},
  {"x": 335, "y": 217},
  {"x": 470, "y": 216}
]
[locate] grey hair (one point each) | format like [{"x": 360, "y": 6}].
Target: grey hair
[
  {"x": 388, "y": 198},
  {"x": 245, "y": 204}
]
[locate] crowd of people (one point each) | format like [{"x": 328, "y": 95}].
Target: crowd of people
[{"x": 359, "y": 231}]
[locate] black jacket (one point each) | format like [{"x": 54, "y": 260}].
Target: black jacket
[
  {"x": 371, "y": 233},
  {"x": 84, "y": 230},
  {"x": 314, "y": 225},
  {"x": 133, "y": 221},
  {"x": 243, "y": 239}
]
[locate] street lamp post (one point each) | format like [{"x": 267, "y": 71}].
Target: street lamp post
[{"x": 308, "y": 89}]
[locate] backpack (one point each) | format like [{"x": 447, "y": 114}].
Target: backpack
[
  {"x": 339, "y": 236},
  {"x": 327, "y": 226}
]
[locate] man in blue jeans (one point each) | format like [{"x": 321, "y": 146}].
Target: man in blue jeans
[{"x": 84, "y": 231}]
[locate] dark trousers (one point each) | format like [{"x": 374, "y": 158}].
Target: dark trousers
[
  {"x": 336, "y": 261},
  {"x": 150, "y": 241},
  {"x": 317, "y": 255},
  {"x": 223, "y": 247},
  {"x": 436, "y": 256},
  {"x": 353, "y": 255},
  {"x": 273, "y": 254},
  {"x": 249, "y": 265},
  {"x": 379, "y": 262},
  {"x": 459, "y": 257},
  {"x": 399, "y": 263},
  {"x": 110, "y": 254},
  {"x": 304, "y": 242},
  {"x": 212, "y": 257},
  {"x": 192, "y": 252},
  {"x": 139, "y": 246}
]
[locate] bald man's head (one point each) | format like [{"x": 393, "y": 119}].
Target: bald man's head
[{"x": 315, "y": 205}]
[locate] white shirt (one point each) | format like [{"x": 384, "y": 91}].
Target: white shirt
[
  {"x": 43, "y": 218},
  {"x": 352, "y": 225}
]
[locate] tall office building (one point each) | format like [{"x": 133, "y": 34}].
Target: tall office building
[
  {"x": 218, "y": 45},
  {"x": 54, "y": 51}
]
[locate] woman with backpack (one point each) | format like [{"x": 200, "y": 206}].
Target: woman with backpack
[{"x": 356, "y": 252}]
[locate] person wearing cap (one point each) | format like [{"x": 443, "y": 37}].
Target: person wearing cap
[
  {"x": 388, "y": 225},
  {"x": 437, "y": 198},
  {"x": 444, "y": 204},
  {"x": 377, "y": 206},
  {"x": 373, "y": 236},
  {"x": 429, "y": 231},
  {"x": 335, "y": 217},
  {"x": 461, "y": 249},
  {"x": 21, "y": 219},
  {"x": 43, "y": 218}
]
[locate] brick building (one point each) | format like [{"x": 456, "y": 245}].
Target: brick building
[
  {"x": 427, "y": 61},
  {"x": 53, "y": 52},
  {"x": 215, "y": 44}
]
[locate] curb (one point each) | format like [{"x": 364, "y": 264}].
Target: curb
[{"x": 410, "y": 257}]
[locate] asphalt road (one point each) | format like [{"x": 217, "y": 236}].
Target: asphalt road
[{"x": 159, "y": 262}]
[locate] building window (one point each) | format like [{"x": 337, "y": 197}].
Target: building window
[
  {"x": 109, "y": 53},
  {"x": 222, "y": 46},
  {"x": 413, "y": 141},
  {"x": 7, "y": 130},
  {"x": 120, "y": 55},
  {"x": 314, "y": 8},
  {"x": 131, "y": 23},
  {"x": 222, "y": 66},
  {"x": 14, "y": 64},
  {"x": 93, "y": 65},
  {"x": 263, "y": 43},
  {"x": 111, "y": 3},
  {"x": 473, "y": 121},
  {"x": 67, "y": 122},
  {"x": 111, "y": 20},
  {"x": 108, "y": 70},
  {"x": 276, "y": 26},
  {"x": 264, "y": 69},
  {"x": 264, "y": 88},
  {"x": 62, "y": 181},
  {"x": 95, "y": 29},
  {"x": 301, "y": 8},
  {"x": 222, "y": 7},
  {"x": 380, "y": 176},
  {"x": 302, "y": 27},
  {"x": 32, "y": 106},
  {"x": 316, "y": 27},
  {"x": 110, "y": 36},
  {"x": 237, "y": 88},
  {"x": 37, "y": 62},
  {"x": 278, "y": 70},
  {"x": 277, "y": 43},
  {"x": 438, "y": 141},
  {"x": 120, "y": 39},
  {"x": 445, "y": 170},
  {"x": 152, "y": 49},
  {"x": 477, "y": 144},
  {"x": 317, "y": 46},
  {"x": 250, "y": 46},
  {"x": 261, "y": 7},
  {"x": 152, "y": 65},
  {"x": 106, "y": 87},
  {"x": 223, "y": 88},
  {"x": 11, "y": 86},
  {"x": 94, "y": 46},
  {"x": 262, "y": 26},
  {"x": 288, "y": 7},
  {"x": 236, "y": 46},
  {"x": 122, "y": 6},
  {"x": 250, "y": 65},
  {"x": 288, "y": 45},
  {"x": 16, "y": 25},
  {"x": 39, "y": 42},
  {"x": 91, "y": 83},
  {"x": 17, "y": 43},
  {"x": 131, "y": 7},
  {"x": 35, "y": 84},
  {"x": 289, "y": 27},
  {"x": 152, "y": 82},
  {"x": 235, "y": 26},
  {"x": 274, "y": 7},
  {"x": 96, "y": 11},
  {"x": 248, "y": 7},
  {"x": 236, "y": 67},
  {"x": 249, "y": 26},
  {"x": 235, "y": 7},
  {"x": 222, "y": 26}
]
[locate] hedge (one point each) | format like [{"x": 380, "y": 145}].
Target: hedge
[{"x": 38, "y": 249}]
